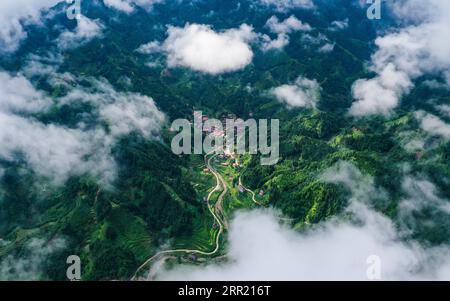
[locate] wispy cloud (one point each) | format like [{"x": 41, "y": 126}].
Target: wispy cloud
[
  {"x": 282, "y": 29},
  {"x": 262, "y": 249},
  {"x": 56, "y": 151},
  {"x": 302, "y": 93},
  {"x": 85, "y": 31},
  {"x": 433, "y": 125},
  {"x": 419, "y": 48},
  {"x": 13, "y": 14},
  {"x": 128, "y": 6},
  {"x": 29, "y": 266}
]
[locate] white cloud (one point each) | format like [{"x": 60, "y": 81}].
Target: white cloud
[
  {"x": 404, "y": 55},
  {"x": 85, "y": 31},
  {"x": 13, "y": 14},
  {"x": 285, "y": 5},
  {"x": 51, "y": 151},
  {"x": 47, "y": 61},
  {"x": 314, "y": 40},
  {"x": 421, "y": 194},
  {"x": 123, "y": 112},
  {"x": 444, "y": 109},
  {"x": 128, "y": 6},
  {"x": 202, "y": 49},
  {"x": 381, "y": 94},
  {"x": 327, "y": 48},
  {"x": 149, "y": 48},
  {"x": 338, "y": 25},
  {"x": 303, "y": 93},
  {"x": 436, "y": 84},
  {"x": 362, "y": 187},
  {"x": 433, "y": 124},
  {"x": 2, "y": 241},
  {"x": 447, "y": 78},
  {"x": 55, "y": 151},
  {"x": 289, "y": 25},
  {"x": 262, "y": 249},
  {"x": 320, "y": 40},
  {"x": 29, "y": 267},
  {"x": 411, "y": 141},
  {"x": 280, "y": 42},
  {"x": 199, "y": 47},
  {"x": 122, "y": 5},
  {"x": 282, "y": 29},
  {"x": 18, "y": 95}
]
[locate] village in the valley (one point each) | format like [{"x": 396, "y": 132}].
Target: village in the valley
[{"x": 229, "y": 157}]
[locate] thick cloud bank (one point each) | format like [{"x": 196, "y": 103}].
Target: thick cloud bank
[
  {"x": 15, "y": 14},
  {"x": 405, "y": 55},
  {"x": 200, "y": 48},
  {"x": 285, "y": 5}
]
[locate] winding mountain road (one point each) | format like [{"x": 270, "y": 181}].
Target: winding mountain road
[
  {"x": 251, "y": 192},
  {"x": 219, "y": 182}
]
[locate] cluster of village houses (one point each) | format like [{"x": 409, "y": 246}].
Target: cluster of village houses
[
  {"x": 228, "y": 154},
  {"x": 214, "y": 131}
]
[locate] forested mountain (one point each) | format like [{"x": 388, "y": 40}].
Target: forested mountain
[{"x": 86, "y": 165}]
